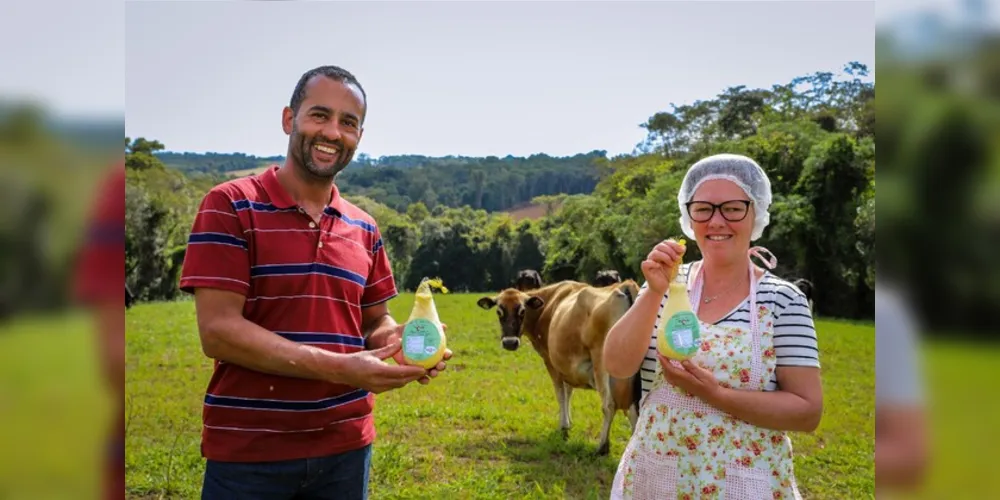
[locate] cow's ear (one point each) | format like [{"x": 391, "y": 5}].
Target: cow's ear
[
  {"x": 486, "y": 303},
  {"x": 535, "y": 303}
]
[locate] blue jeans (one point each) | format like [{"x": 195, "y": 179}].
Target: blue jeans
[{"x": 343, "y": 476}]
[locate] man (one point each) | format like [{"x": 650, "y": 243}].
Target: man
[
  {"x": 291, "y": 283},
  {"x": 99, "y": 272}
]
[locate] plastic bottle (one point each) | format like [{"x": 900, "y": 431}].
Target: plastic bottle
[
  {"x": 679, "y": 336},
  {"x": 423, "y": 335}
]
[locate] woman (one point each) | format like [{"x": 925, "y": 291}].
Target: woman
[{"x": 715, "y": 426}]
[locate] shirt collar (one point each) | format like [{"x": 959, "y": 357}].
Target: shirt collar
[{"x": 281, "y": 199}]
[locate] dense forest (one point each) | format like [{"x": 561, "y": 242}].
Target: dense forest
[{"x": 445, "y": 217}]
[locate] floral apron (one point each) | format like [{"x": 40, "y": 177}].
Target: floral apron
[{"x": 684, "y": 448}]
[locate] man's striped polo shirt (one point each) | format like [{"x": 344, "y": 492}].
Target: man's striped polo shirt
[{"x": 304, "y": 281}]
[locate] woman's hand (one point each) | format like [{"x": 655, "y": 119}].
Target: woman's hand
[
  {"x": 660, "y": 263},
  {"x": 694, "y": 379}
]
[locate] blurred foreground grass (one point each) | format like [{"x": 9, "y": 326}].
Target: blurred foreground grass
[
  {"x": 53, "y": 409},
  {"x": 963, "y": 412}
]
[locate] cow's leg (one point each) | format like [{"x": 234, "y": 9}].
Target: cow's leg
[
  {"x": 562, "y": 396},
  {"x": 567, "y": 395},
  {"x": 633, "y": 416},
  {"x": 608, "y": 405}
]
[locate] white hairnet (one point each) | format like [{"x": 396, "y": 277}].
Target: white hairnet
[{"x": 742, "y": 171}]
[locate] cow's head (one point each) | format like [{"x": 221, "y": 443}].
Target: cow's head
[
  {"x": 607, "y": 277},
  {"x": 512, "y": 306},
  {"x": 528, "y": 279}
]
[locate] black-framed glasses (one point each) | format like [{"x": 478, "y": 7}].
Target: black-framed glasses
[{"x": 732, "y": 210}]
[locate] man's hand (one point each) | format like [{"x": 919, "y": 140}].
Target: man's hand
[
  {"x": 368, "y": 370},
  {"x": 396, "y": 338}
]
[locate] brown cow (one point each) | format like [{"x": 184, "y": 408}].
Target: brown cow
[{"x": 567, "y": 323}]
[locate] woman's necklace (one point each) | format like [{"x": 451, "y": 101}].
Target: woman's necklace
[{"x": 710, "y": 299}]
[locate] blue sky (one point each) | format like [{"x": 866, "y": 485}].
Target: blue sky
[{"x": 467, "y": 78}]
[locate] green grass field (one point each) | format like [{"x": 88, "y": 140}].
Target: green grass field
[
  {"x": 503, "y": 443},
  {"x": 487, "y": 428}
]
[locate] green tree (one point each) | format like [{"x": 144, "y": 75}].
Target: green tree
[
  {"x": 417, "y": 212},
  {"x": 834, "y": 178}
]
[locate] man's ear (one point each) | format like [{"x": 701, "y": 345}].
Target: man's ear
[
  {"x": 486, "y": 303},
  {"x": 287, "y": 118},
  {"x": 535, "y": 303}
]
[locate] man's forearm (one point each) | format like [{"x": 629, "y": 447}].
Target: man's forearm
[
  {"x": 377, "y": 334},
  {"x": 244, "y": 343}
]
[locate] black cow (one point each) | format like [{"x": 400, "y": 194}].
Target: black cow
[
  {"x": 607, "y": 277},
  {"x": 806, "y": 287},
  {"x": 528, "y": 279}
]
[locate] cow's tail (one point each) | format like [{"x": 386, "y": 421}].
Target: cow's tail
[{"x": 636, "y": 390}]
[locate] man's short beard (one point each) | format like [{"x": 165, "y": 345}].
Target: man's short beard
[
  {"x": 315, "y": 171},
  {"x": 306, "y": 161}
]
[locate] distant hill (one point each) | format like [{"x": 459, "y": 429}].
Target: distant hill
[
  {"x": 490, "y": 183},
  {"x": 104, "y": 135},
  {"x": 215, "y": 162}
]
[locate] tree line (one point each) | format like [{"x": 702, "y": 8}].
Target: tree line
[
  {"x": 444, "y": 217},
  {"x": 491, "y": 183}
]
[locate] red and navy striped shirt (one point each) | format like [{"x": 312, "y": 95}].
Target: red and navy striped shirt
[{"x": 304, "y": 281}]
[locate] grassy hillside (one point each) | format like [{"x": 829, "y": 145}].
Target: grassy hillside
[{"x": 502, "y": 438}]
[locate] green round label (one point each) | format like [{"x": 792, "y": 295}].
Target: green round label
[
  {"x": 683, "y": 334},
  {"x": 421, "y": 339}
]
